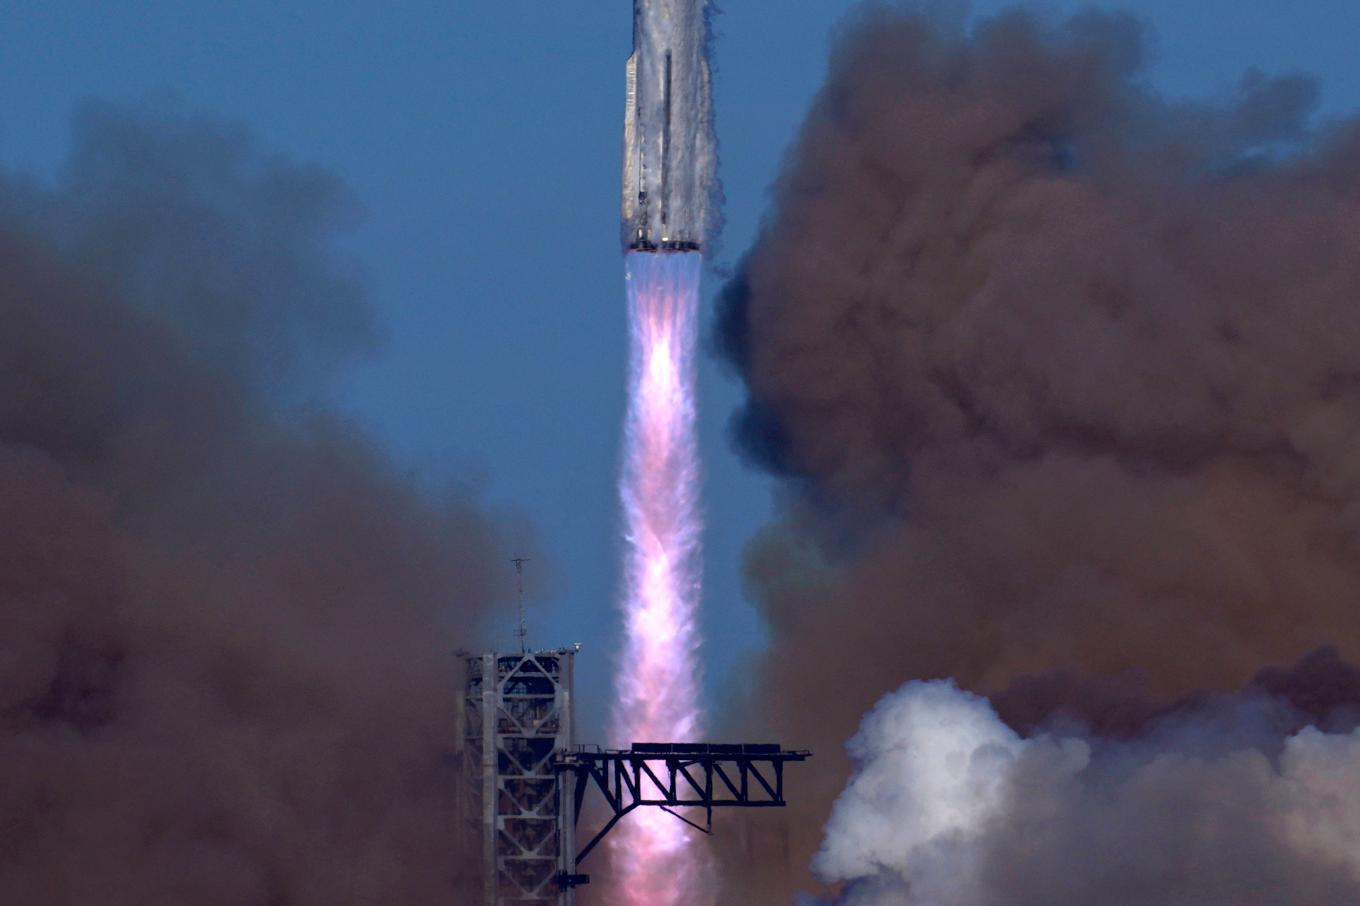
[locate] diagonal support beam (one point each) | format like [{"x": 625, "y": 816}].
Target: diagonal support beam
[{"x": 667, "y": 776}]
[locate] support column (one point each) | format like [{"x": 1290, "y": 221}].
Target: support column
[{"x": 490, "y": 748}]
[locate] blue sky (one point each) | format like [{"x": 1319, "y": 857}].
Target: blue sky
[{"x": 483, "y": 139}]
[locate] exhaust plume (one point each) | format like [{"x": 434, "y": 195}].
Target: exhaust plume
[
  {"x": 654, "y": 854},
  {"x": 226, "y": 614},
  {"x": 670, "y": 214},
  {"x": 1060, "y": 373}
]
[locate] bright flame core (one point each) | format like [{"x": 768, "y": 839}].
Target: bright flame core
[{"x": 657, "y": 698}]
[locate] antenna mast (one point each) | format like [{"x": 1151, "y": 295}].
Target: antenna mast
[{"x": 523, "y": 631}]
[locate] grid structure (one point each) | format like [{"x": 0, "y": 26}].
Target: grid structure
[
  {"x": 517, "y": 712},
  {"x": 695, "y": 777}
]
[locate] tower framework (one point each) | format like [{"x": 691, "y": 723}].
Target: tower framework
[
  {"x": 517, "y": 712},
  {"x": 526, "y": 780}
]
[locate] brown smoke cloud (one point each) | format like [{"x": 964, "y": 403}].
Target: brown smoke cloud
[
  {"x": 1062, "y": 375},
  {"x": 225, "y": 615}
]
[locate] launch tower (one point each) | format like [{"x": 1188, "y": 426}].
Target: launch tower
[
  {"x": 517, "y": 714},
  {"x": 525, "y": 780}
]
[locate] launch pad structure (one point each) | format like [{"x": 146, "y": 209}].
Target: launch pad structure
[
  {"x": 516, "y": 715},
  {"x": 525, "y": 779}
]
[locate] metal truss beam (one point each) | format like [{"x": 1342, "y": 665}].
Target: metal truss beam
[{"x": 674, "y": 776}]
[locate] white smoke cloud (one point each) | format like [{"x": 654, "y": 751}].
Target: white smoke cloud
[{"x": 950, "y": 807}]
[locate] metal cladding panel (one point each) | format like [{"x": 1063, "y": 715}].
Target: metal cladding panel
[
  {"x": 669, "y": 176},
  {"x": 631, "y": 152}
]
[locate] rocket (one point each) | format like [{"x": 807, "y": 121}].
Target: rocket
[{"x": 669, "y": 183}]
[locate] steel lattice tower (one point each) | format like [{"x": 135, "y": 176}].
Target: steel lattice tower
[{"x": 517, "y": 713}]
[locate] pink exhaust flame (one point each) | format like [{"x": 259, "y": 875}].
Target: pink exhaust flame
[{"x": 655, "y": 860}]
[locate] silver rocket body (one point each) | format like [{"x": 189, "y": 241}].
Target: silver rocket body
[{"x": 669, "y": 179}]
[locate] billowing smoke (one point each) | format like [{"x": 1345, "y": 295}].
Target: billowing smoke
[
  {"x": 1060, "y": 374},
  {"x": 1233, "y": 799},
  {"x": 224, "y": 663}
]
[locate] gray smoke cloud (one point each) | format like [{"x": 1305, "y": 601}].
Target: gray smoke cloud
[
  {"x": 225, "y": 615},
  {"x": 1059, "y": 373},
  {"x": 1236, "y": 799}
]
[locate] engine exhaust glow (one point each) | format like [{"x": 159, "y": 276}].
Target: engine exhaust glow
[{"x": 655, "y": 857}]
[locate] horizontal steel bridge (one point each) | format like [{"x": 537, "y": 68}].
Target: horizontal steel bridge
[{"x": 674, "y": 776}]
